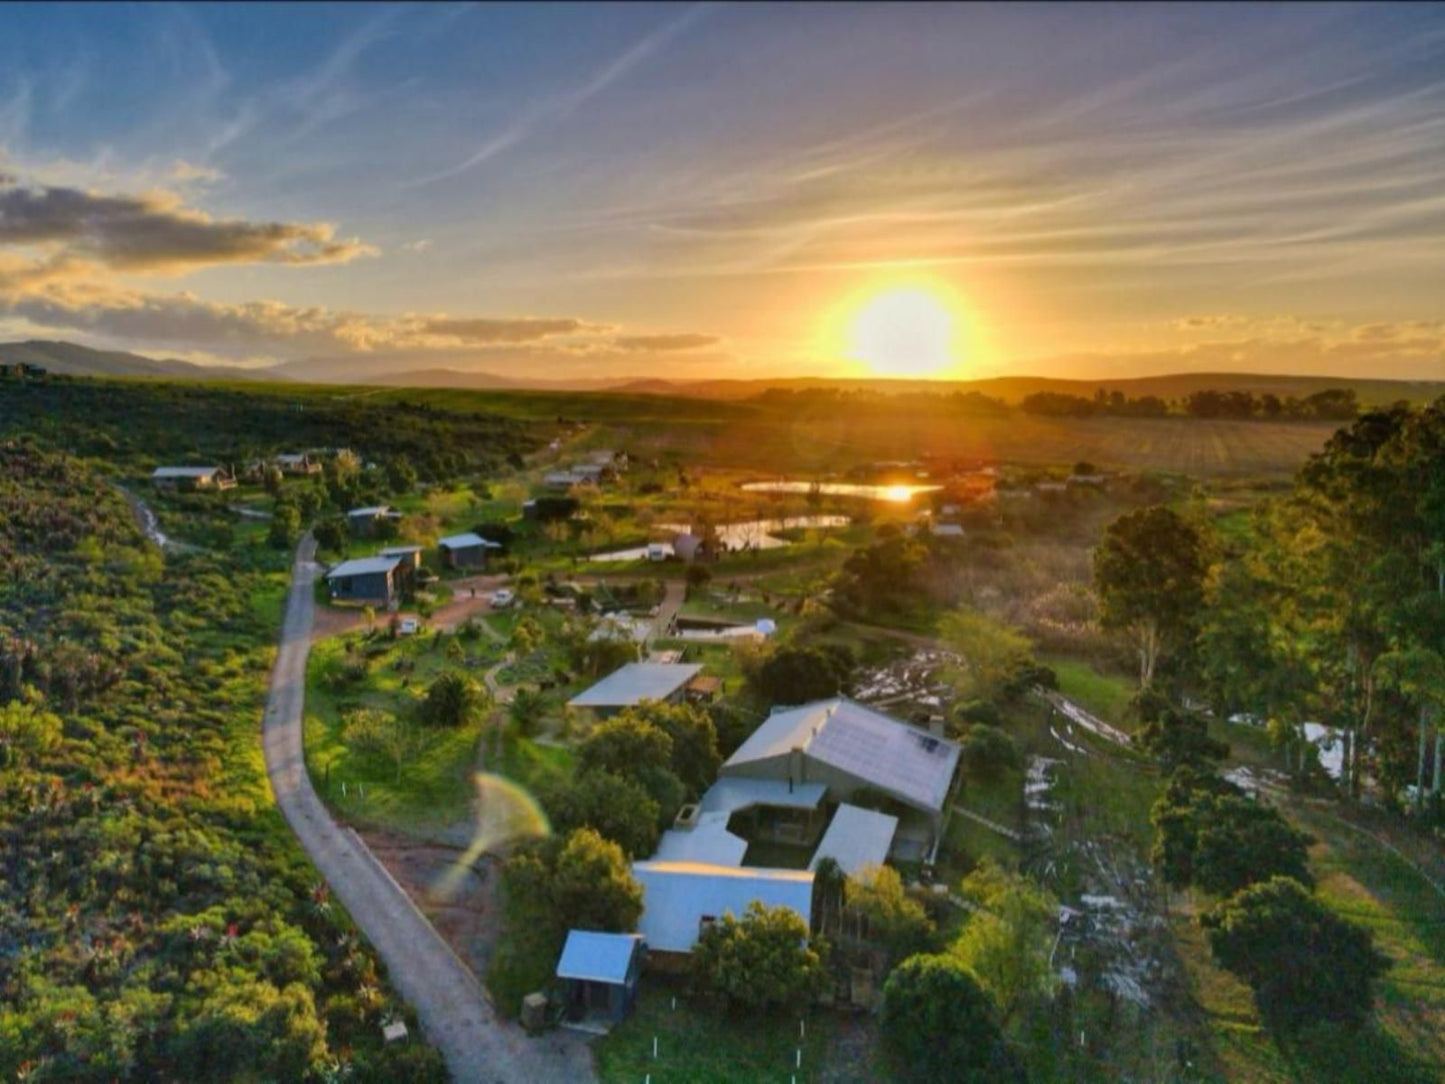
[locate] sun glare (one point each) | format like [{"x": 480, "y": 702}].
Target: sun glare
[
  {"x": 907, "y": 331},
  {"x": 898, "y": 494}
]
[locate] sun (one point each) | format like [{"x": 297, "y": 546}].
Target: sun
[{"x": 907, "y": 331}]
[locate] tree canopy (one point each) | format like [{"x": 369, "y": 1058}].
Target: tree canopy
[
  {"x": 939, "y": 1024},
  {"x": 759, "y": 961}
]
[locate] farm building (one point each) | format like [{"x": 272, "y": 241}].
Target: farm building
[
  {"x": 634, "y": 683},
  {"x": 563, "y": 480},
  {"x": 600, "y": 972},
  {"x": 297, "y": 463},
  {"x": 409, "y": 563},
  {"x": 854, "y": 750},
  {"x": 365, "y": 579},
  {"x": 681, "y": 899},
  {"x": 364, "y": 522},
  {"x": 189, "y": 478},
  {"x": 465, "y": 550}
]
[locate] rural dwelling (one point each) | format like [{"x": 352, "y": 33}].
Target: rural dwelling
[
  {"x": 767, "y": 810},
  {"x": 599, "y": 972},
  {"x": 562, "y": 480},
  {"x": 634, "y": 683},
  {"x": 409, "y": 558},
  {"x": 465, "y": 550},
  {"x": 947, "y": 530},
  {"x": 365, "y": 579},
  {"x": 681, "y": 899},
  {"x": 856, "y": 751},
  {"x": 297, "y": 463},
  {"x": 191, "y": 478},
  {"x": 364, "y": 521}
]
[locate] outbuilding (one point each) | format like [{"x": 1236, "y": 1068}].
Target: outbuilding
[
  {"x": 365, "y": 522},
  {"x": 681, "y": 899},
  {"x": 600, "y": 973},
  {"x": 467, "y": 550},
  {"x": 632, "y": 684},
  {"x": 189, "y": 478},
  {"x": 364, "y": 579}
]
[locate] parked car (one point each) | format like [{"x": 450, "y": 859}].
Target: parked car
[
  {"x": 408, "y": 626},
  {"x": 502, "y": 598}
]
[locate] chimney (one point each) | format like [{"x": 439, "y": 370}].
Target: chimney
[
  {"x": 796, "y": 770},
  {"x": 935, "y": 725}
]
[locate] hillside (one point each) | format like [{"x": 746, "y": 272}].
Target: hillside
[{"x": 72, "y": 359}]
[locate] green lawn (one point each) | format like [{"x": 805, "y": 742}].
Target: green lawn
[
  {"x": 700, "y": 1043},
  {"x": 1104, "y": 695}
]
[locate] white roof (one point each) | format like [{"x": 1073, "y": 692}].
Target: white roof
[
  {"x": 621, "y": 627},
  {"x": 948, "y": 530},
  {"x": 363, "y": 566},
  {"x": 730, "y": 794},
  {"x": 896, "y": 757},
  {"x": 291, "y": 457},
  {"x": 374, "y": 510},
  {"x": 184, "y": 472},
  {"x": 709, "y": 843},
  {"x": 709, "y": 840},
  {"x": 856, "y": 838},
  {"x": 597, "y": 957},
  {"x": 466, "y": 541},
  {"x": 678, "y": 895},
  {"x": 635, "y": 682}
]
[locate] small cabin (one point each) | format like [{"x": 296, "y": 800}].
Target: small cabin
[
  {"x": 365, "y": 579},
  {"x": 466, "y": 550},
  {"x": 191, "y": 478},
  {"x": 599, "y": 974}
]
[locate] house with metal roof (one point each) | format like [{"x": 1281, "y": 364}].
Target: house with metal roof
[
  {"x": 468, "y": 550},
  {"x": 634, "y": 683},
  {"x": 854, "y": 751},
  {"x": 600, "y": 972},
  {"x": 680, "y": 899},
  {"x": 365, "y": 579},
  {"x": 365, "y": 521},
  {"x": 191, "y": 478},
  {"x": 297, "y": 463}
]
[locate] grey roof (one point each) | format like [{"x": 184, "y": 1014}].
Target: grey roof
[
  {"x": 893, "y": 756},
  {"x": 635, "y": 682},
  {"x": 621, "y": 627},
  {"x": 856, "y": 838},
  {"x": 730, "y": 794},
  {"x": 363, "y": 566},
  {"x": 678, "y": 895},
  {"x": 185, "y": 472},
  {"x": 597, "y": 957},
  {"x": 398, "y": 551},
  {"x": 374, "y": 510},
  {"x": 466, "y": 541},
  {"x": 709, "y": 843}
]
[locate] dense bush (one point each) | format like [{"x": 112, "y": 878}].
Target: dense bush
[{"x": 939, "y": 1025}]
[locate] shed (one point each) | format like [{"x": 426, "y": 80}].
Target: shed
[
  {"x": 634, "y": 683},
  {"x": 364, "y": 579},
  {"x": 600, "y": 972},
  {"x": 467, "y": 550},
  {"x": 363, "y": 521},
  {"x": 191, "y": 478}
]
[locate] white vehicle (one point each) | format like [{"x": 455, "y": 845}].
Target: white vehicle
[
  {"x": 502, "y": 599},
  {"x": 408, "y": 626}
]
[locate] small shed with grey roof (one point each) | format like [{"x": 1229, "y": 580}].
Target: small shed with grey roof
[
  {"x": 467, "y": 550},
  {"x": 364, "y": 579},
  {"x": 365, "y": 522},
  {"x": 681, "y": 899},
  {"x": 600, "y": 972},
  {"x": 634, "y": 683},
  {"x": 191, "y": 478},
  {"x": 856, "y": 838}
]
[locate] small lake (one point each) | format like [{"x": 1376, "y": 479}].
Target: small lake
[
  {"x": 755, "y": 534},
  {"x": 892, "y": 494}
]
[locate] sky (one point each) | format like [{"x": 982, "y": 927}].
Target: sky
[{"x": 690, "y": 192}]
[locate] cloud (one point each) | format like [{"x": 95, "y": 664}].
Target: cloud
[
  {"x": 417, "y": 246},
  {"x": 481, "y": 330},
  {"x": 664, "y": 343},
  {"x": 155, "y": 232}
]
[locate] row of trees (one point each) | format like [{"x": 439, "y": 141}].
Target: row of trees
[{"x": 1331, "y": 404}]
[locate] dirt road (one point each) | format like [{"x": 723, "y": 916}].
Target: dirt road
[{"x": 452, "y": 1005}]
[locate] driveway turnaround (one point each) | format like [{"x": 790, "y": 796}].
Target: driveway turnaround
[{"x": 453, "y": 1008}]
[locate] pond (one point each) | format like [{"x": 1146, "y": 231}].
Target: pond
[
  {"x": 892, "y": 494},
  {"x": 755, "y": 534}
]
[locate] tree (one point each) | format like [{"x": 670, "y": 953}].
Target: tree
[
  {"x": 695, "y": 758},
  {"x": 1149, "y": 574},
  {"x": 993, "y": 653},
  {"x": 1177, "y": 736},
  {"x": 796, "y": 675},
  {"x": 593, "y": 887},
  {"x": 246, "y": 1026},
  {"x": 985, "y": 749},
  {"x": 1305, "y": 964},
  {"x": 632, "y": 747},
  {"x": 526, "y": 710},
  {"x": 26, "y": 732},
  {"x": 526, "y": 636},
  {"x": 379, "y": 733},
  {"x": 332, "y": 533},
  {"x": 938, "y": 1024},
  {"x": 882, "y": 911},
  {"x": 400, "y": 475},
  {"x": 453, "y": 699},
  {"x": 1006, "y": 943},
  {"x": 617, "y": 807},
  {"x": 760, "y": 961},
  {"x": 285, "y": 525}
]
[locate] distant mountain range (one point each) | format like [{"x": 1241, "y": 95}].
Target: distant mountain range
[{"x": 72, "y": 359}]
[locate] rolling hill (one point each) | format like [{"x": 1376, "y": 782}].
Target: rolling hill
[{"x": 72, "y": 359}]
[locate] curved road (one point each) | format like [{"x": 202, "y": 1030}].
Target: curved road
[{"x": 454, "y": 1011}]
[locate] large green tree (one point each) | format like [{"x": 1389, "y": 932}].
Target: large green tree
[
  {"x": 940, "y": 1027},
  {"x": 1006, "y": 942},
  {"x": 760, "y": 961},
  {"x": 1149, "y": 574}
]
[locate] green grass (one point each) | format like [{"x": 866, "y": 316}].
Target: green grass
[
  {"x": 701, "y": 1043},
  {"x": 435, "y": 787},
  {"x": 1104, "y": 695}
]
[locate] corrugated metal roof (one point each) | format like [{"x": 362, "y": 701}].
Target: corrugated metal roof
[
  {"x": 363, "y": 566},
  {"x": 374, "y": 510},
  {"x": 884, "y": 752},
  {"x": 635, "y": 682},
  {"x": 856, "y": 838},
  {"x": 185, "y": 472},
  {"x": 597, "y": 957},
  {"x": 730, "y": 794},
  {"x": 466, "y": 541},
  {"x": 709, "y": 842},
  {"x": 399, "y": 551},
  {"x": 678, "y": 895}
]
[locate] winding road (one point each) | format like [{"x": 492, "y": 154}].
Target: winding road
[{"x": 455, "y": 1013}]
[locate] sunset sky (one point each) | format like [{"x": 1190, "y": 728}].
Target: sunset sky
[{"x": 745, "y": 191}]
